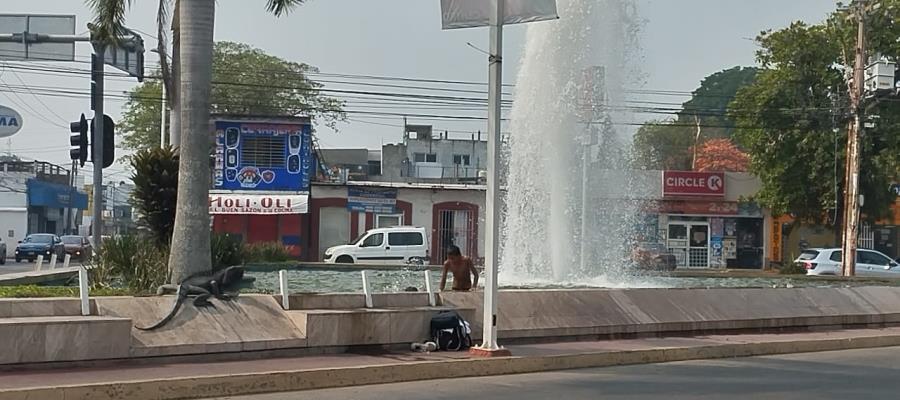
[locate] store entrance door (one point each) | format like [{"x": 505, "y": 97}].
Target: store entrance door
[{"x": 689, "y": 241}]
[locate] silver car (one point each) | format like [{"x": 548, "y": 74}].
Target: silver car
[{"x": 828, "y": 262}]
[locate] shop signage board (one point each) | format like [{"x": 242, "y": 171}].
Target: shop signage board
[
  {"x": 372, "y": 199},
  {"x": 259, "y": 204},
  {"x": 263, "y": 155},
  {"x": 691, "y": 184}
]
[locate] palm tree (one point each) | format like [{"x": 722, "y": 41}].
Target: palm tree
[
  {"x": 169, "y": 72},
  {"x": 190, "y": 250}
]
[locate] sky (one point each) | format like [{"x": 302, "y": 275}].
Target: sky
[{"x": 683, "y": 41}]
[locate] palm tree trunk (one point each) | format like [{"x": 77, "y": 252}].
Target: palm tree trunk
[
  {"x": 175, "y": 98},
  {"x": 175, "y": 101},
  {"x": 190, "y": 250}
]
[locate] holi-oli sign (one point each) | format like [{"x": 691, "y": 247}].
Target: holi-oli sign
[{"x": 265, "y": 204}]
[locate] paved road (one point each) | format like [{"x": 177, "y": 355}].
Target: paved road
[
  {"x": 852, "y": 374},
  {"x": 13, "y": 267}
]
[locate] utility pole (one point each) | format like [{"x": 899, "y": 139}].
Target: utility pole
[{"x": 851, "y": 176}]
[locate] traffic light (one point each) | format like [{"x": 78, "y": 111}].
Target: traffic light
[
  {"x": 79, "y": 140},
  {"x": 109, "y": 140}
]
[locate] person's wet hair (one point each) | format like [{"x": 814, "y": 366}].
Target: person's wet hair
[{"x": 453, "y": 250}]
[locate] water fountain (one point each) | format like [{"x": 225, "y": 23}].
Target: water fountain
[{"x": 569, "y": 91}]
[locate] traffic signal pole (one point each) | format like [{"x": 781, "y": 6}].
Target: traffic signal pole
[
  {"x": 97, "y": 142},
  {"x": 102, "y": 135}
]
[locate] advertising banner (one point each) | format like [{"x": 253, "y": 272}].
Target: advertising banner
[
  {"x": 373, "y": 200},
  {"x": 457, "y": 14},
  {"x": 264, "y": 156},
  {"x": 686, "y": 183},
  {"x": 260, "y": 204}
]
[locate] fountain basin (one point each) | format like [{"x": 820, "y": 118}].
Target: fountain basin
[{"x": 346, "y": 279}]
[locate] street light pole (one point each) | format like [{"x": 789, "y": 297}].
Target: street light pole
[
  {"x": 492, "y": 203},
  {"x": 851, "y": 180}
]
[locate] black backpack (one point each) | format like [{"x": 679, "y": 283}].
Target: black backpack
[{"x": 450, "y": 331}]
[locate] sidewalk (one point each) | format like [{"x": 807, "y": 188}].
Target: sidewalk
[{"x": 200, "y": 380}]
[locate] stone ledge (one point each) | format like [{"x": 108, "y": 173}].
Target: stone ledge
[
  {"x": 53, "y": 339},
  {"x": 241, "y": 384},
  {"x": 319, "y": 301},
  {"x": 42, "y": 307},
  {"x": 60, "y": 320},
  {"x": 367, "y": 326},
  {"x": 250, "y": 323}
]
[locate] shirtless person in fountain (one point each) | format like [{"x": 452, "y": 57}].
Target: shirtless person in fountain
[{"x": 462, "y": 269}]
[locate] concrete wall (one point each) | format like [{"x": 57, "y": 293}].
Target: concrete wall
[
  {"x": 392, "y": 156},
  {"x": 593, "y": 312}
]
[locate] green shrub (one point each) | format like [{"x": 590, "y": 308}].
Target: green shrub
[
  {"x": 141, "y": 264},
  {"x": 226, "y": 251},
  {"x": 266, "y": 252},
  {"x": 155, "y": 191},
  {"x": 793, "y": 269},
  {"x": 55, "y": 291}
]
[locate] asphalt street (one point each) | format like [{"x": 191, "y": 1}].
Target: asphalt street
[
  {"x": 851, "y": 374},
  {"x": 13, "y": 267}
]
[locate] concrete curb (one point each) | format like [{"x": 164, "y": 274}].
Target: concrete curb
[{"x": 257, "y": 383}]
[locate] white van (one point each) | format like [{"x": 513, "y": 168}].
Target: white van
[{"x": 394, "y": 245}]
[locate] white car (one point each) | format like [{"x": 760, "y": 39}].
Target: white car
[
  {"x": 828, "y": 262},
  {"x": 395, "y": 245}
]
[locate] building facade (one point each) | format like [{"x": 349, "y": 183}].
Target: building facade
[
  {"x": 434, "y": 157},
  {"x": 37, "y": 197},
  {"x": 699, "y": 217},
  {"x": 261, "y": 179}
]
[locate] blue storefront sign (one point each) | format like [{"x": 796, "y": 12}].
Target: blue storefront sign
[
  {"x": 265, "y": 156},
  {"x": 46, "y": 194},
  {"x": 373, "y": 200}
]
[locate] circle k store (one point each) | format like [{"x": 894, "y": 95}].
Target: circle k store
[{"x": 701, "y": 218}]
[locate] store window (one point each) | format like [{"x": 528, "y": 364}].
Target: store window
[
  {"x": 461, "y": 159},
  {"x": 425, "y": 157},
  {"x": 388, "y": 220}
]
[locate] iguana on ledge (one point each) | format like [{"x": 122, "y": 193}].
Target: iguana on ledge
[{"x": 221, "y": 285}]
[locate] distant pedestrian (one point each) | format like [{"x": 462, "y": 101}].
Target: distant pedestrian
[{"x": 462, "y": 269}]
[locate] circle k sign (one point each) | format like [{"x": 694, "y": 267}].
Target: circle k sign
[{"x": 686, "y": 183}]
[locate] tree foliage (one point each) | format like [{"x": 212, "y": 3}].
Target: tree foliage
[
  {"x": 668, "y": 144},
  {"x": 793, "y": 120},
  {"x": 246, "y": 81},
  {"x": 155, "y": 192},
  {"x": 721, "y": 155}
]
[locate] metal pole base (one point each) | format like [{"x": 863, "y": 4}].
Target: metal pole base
[{"x": 489, "y": 353}]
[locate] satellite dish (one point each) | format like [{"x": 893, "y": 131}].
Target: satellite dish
[{"x": 10, "y": 121}]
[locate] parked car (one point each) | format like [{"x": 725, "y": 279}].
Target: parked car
[
  {"x": 78, "y": 247},
  {"x": 655, "y": 256},
  {"x": 2, "y": 252},
  {"x": 44, "y": 244},
  {"x": 395, "y": 245},
  {"x": 828, "y": 262}
]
